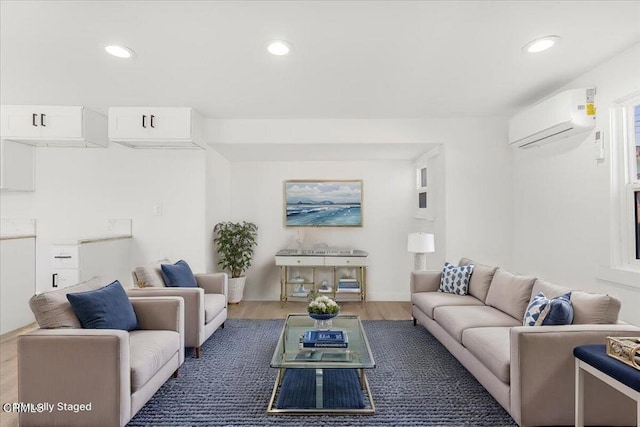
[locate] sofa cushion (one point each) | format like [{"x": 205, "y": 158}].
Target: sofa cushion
[
  {"x": 491, "y": 346},
  {"x": 178, "y": 275},
  {"x": 104, "y": 308},
  {"x": 480, "y": 279},
  {"x": 587, "y": 308},
  {"x": 150, "y": 351},
  {"x": 213, "y": 305},
  {"x": 52, "y": 309},
  {"x": 455, "y": 279},
  {"x": 456, "y": 319},
  {"x": 150, "y": 275},
  {"x": 428, "y": 301},
  {"x": 594, "y": 308},
  {"x": 510, "y": 293}
]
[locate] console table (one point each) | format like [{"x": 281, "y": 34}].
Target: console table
[
  {"x": 594, "y": 359},
  {"x": 345, "y": 272}
]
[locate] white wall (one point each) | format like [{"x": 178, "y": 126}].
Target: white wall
[
  {"x": 257, "y": 189},
  {"x": 562, "y": 197},
  {"x": 217, "y": 201},
  {"x": 78, "y": 190},
  {"x": 475, "y": 163}
]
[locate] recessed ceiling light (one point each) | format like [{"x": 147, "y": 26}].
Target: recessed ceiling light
[
  {"x": 279, "y": 47},
  {"x": 541, "y": 44},
  {"x": 120, "y": 51}
]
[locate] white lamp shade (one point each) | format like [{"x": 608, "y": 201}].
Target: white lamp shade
[{"x": 421, "y": 243}]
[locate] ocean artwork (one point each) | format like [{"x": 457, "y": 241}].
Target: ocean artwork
[{"x": 323, "y": 203}]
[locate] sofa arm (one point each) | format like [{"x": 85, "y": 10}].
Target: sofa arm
[
  {"x": 193, "y": 309},
  {"x": 75, "y": 366},
  {"x": 425, "y": 281},
  {"x": 161, "y": 314},
  {"x": 213, "y": 283},
  {"x": 542, "y": 375}
]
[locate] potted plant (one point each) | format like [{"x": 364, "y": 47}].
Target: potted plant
[{"x": 235, "y": 242}]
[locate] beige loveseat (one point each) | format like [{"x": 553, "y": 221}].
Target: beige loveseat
[
  {"x": 114, "y": 371},
  {"x": 529, "y": 370},
  {"x": 205, "y": 307}
]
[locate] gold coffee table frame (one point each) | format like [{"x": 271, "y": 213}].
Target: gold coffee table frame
[{"x": 357, "y": 356}]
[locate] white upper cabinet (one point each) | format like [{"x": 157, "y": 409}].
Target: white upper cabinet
[
  {"x": 156, "y": 127},
  {"x": 55, "y": 126}
]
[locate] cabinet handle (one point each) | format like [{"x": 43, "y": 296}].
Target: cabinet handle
[
  {"x": 298, "y": 261},
  {"x": 54, "y": 280},
  {"x": 33, "y": 120},
  {"x": 62, "y": 256},
  {"x": 144, "y": 123},
  {"x": 42, "y": 116},
  {"x": 153, "y": 125}
]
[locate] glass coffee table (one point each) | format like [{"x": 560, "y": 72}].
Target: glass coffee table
[{"x": 321, "y": 380}]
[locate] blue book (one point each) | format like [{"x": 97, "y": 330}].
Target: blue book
[{"x": 326, "y": 339}]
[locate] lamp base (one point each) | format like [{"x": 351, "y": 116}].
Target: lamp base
[{"x": 420, "y": 262}]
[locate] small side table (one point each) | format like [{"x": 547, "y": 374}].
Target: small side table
[{"x": 594, "y": 359}]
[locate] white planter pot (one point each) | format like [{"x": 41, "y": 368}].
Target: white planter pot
[{"x": 236, "y": 288}]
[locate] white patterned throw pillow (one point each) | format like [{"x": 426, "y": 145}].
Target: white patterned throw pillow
[
  {"x": 455, "y": 279},
  {"x": 536, "y": 311}
]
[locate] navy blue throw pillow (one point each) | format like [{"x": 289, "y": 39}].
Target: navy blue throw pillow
[
  {"x": 104, "y": 308},
  {"x": 178, "y": 275},
  {"x": 560, "y": 311}
]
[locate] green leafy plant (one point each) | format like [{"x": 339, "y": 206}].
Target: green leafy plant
[{"x": 235, "y": 242}]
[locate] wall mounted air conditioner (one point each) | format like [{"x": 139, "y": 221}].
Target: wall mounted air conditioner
[{"x": 565, "y": 114}]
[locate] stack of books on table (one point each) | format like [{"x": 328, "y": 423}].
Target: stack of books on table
[
  {"x": 348, "y": 285},
  {"x": 324, "y": 339}
]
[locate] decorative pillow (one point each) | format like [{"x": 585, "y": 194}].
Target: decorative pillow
[
  {"x": 178, "y": 275},
  {"x": 150, "y": 275},
  {"x": 560, "y": 311},
  {"x": 52, "y": 309},
  {"x": 544, "y": 311},
  {"x": 105, "y": 308},
  {"x": 455, "y": 279}
]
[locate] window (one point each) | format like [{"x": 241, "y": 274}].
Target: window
[
  {"x": 635, "y": 146},
  {"x": 421, "y": 187},
  {"x": 626, "y": 181},
  {"x": 424, "y": 187}
]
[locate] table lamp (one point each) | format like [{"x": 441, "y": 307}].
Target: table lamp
[{"x": 420, "y": 243}]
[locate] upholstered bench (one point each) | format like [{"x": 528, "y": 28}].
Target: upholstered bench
[{"x": 594, "y": 359}]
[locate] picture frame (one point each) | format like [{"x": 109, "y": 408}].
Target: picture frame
[{"x": 323, "y": 203}]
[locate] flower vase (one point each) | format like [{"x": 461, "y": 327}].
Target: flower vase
[{"x": 322, "y": 322}]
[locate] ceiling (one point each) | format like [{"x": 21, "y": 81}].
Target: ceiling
[{"x": 350, "y": 59}]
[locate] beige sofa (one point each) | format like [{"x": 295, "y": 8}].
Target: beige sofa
[
  {"x": 114, "y": 371},
  {"x": 205, "y": 307},
  {"x": 529, "y": 370}
]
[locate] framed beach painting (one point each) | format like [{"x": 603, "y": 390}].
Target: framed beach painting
[{"x": 313, "y": 203}]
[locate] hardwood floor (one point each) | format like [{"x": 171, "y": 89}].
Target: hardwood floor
[{"x": 244, "y": 310}]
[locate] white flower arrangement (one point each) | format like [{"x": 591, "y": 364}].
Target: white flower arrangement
[{"x": 323, "y": 305}]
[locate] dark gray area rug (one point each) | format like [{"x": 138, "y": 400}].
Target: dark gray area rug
[{"x": 416, "y": 382}]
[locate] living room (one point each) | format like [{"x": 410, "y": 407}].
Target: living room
[{"x": 549, "y": 212}]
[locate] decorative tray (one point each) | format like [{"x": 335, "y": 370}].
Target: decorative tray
[{"x": 625, "y": 349}]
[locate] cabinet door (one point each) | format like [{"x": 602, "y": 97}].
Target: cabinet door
[
  {"x": 129, "y": 123},
  {"x": 170, "y": 123},
  {"x": 60, "y": 122},
  {"x": 20, "y": 121},
  {"x": 65, "y": 278}
]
